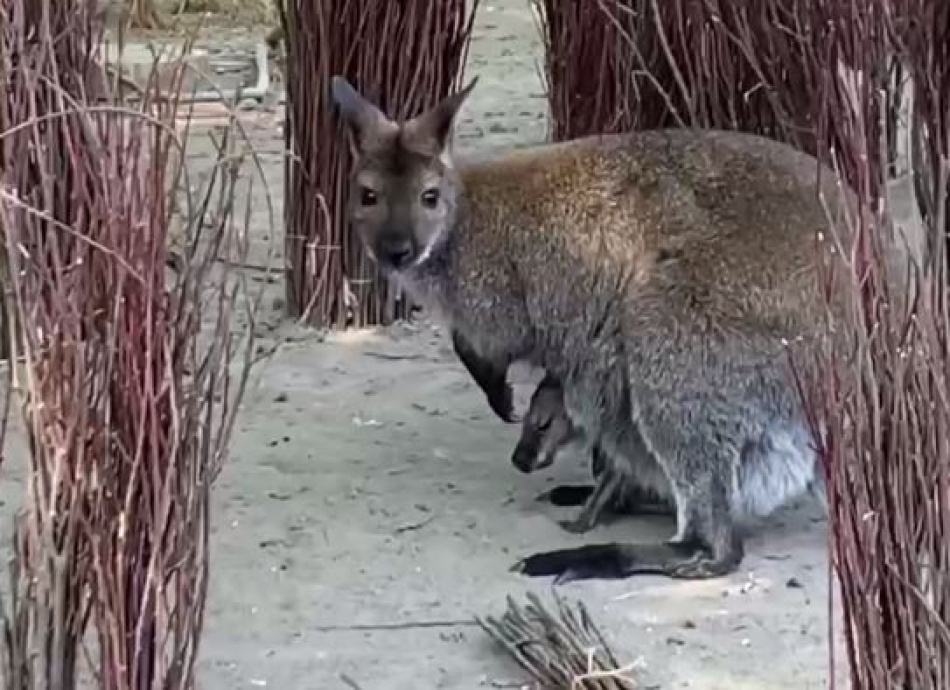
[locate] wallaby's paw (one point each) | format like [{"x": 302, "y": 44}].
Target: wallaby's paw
[
  {"x": 502, "y": 404},
  {"x": 566, "y": 495},
  {"x": 592, "y": 562},
  {"x": 701, "y": 567}
]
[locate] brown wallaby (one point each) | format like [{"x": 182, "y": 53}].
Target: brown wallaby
[
  {"x": 665, "y": 278},
  {"x": 546, "y": 430}
]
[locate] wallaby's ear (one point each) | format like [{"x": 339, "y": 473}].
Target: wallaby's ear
[
  {"x": 365, "y": 120},
  {"x": 430, "y": 130}
]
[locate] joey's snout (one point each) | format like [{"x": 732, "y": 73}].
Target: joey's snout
[
  {"x": 524, "y": 457},
  {"x": 527, "y": 456}
]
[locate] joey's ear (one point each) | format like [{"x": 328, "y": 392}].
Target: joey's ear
[
  {"x": 430, "y": 130},
  {"x": 365, "y": 120}
]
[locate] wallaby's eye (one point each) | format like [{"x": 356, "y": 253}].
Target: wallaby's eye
[
  {"x": 367, "y": 197},
  {"x": 430, "y": 198}
]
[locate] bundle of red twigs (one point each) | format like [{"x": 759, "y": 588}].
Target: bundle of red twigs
[
  {"x": 127, "y": 411},
  {"x": 755, "y": 65},
  {"x": 885, "y": 407}
]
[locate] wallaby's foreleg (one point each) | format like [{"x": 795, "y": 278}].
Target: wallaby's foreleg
[
  {"x": 573, "y": 495},
  {"x": 629, "y": 500},
  {"x": 492, "y": 379}
]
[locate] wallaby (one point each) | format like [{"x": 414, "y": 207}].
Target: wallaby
[
  {"x": 546, "y": 431},
  {"x": 666, "y": 278}
]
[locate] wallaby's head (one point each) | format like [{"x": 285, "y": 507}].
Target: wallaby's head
[
  {"x": 404, "y": 192},
  {"x": 545, "y": 428}
]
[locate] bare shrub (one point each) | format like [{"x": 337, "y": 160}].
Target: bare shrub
[
  {"x": 884, "y": 406},
  {"x": 125, "y": 377},
  {"x": 755, "y": 66}
]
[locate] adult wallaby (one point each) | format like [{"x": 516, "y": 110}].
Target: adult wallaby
[{"x": 663, "y": 277}]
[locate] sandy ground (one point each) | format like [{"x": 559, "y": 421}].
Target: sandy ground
[{"x": 370, "y": 486}]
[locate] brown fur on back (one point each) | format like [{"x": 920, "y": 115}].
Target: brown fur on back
[{"x": 690, "y": 214}]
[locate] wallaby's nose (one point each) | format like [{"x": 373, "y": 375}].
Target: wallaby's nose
[{"x": 396, "y": 251}]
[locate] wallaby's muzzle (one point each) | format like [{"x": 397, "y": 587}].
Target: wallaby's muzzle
[{"x": 395, "y": 251}]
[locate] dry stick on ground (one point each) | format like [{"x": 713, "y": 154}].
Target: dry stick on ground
[{"x": 562, "y": 649}]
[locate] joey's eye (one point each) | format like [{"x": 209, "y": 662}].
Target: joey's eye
[
  {"x": 545, "y": 425},
  {"x": 430, "y": 198},
  {"x": 367, "y": 197}
]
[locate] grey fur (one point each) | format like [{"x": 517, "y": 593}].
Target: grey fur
[
  {"x": 664, "y": 278},
  {"x": 547, "y": 431}
]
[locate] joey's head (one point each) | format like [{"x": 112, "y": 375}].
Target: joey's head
[
  {"x": 545, "y": 429},
  {"x": 404, "y": 192}
]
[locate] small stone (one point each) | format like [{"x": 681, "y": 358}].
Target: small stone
[{"x": 793, "y": 583}]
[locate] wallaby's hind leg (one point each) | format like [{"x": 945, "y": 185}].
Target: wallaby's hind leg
[
  {"x": 706, "y": 525},
  {"x": 707, "y": 543}
]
